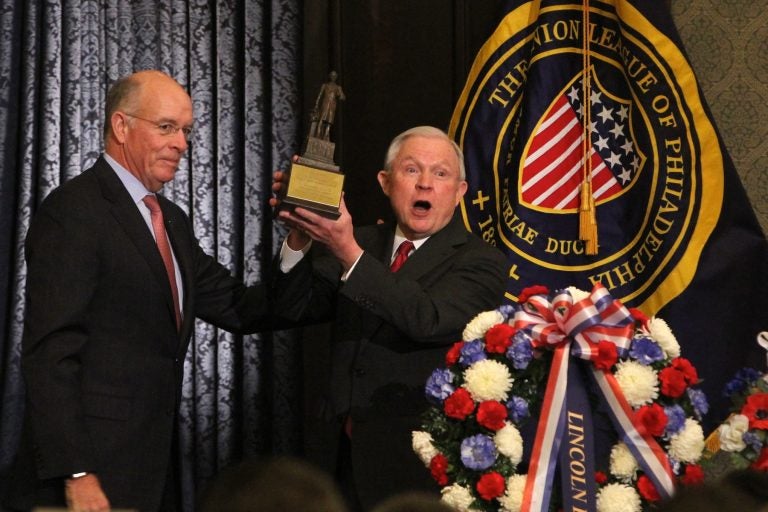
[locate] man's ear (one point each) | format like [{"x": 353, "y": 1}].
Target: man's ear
[
  {"x": 383, "y": 178},
  {"x": 461, "y": 191},
  {"x": 119, "y": 122}
]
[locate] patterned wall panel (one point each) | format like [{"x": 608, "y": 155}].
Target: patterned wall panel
[{"x": 727, "y": 43}]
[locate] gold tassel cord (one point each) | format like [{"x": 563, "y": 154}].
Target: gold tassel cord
[
  {"x": 587, "y": 214},
  {"x": 587, "y": 219}
]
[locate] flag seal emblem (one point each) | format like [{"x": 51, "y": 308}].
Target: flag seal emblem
[{"x": 654, "y": 157}]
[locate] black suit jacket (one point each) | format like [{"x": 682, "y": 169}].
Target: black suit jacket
[
  {"x": 102, "y": 360},
  {"x": 390, "y": 331}
]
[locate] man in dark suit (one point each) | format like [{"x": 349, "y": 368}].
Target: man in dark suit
[
  {"x": 108, "y": 319},
  {"x": 390, "y": 329}
]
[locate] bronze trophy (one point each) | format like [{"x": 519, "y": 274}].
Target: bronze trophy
[{"x": 315, "y": 181}]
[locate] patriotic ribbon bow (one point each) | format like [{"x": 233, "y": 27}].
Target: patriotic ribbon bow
[
  {"x": 585, "y": 323},
  {"x": 577, "y": 329}
]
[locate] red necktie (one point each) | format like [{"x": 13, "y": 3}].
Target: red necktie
[
  {"x": 402, "y": 254},
  {"x": 158, "y": 226}
]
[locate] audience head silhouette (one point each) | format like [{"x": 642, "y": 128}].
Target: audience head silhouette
[
  {"x": 743, "y": 490},
  {"x": 413, "y": 501},
  {"x": 277, "y": 485}
]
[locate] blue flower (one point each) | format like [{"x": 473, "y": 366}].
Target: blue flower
[
  {"x": 734, "y": 387},
  {"x": 472, "y": 352},
  {"x": 645, "y": 351},
  {"x": 439, "y": 385},
  {"x": 699, "y": 402},
  {"x": 517, "y": 407},
  {"x": 748, "y": 375},
  {"x": 753, "y": 440},
  {"x": 675, "y": 419},
  {"x": 520, "y": 352},
  {"x": 507, "y": 311},
  {"x": 478, "y": 452},
  {"x": 741, "y": 381}
]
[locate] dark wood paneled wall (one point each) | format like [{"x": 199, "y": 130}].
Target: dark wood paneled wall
[{"x": 401, "y": 63}]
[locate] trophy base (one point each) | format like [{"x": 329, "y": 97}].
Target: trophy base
[
  {"x": 319, "y": 151},
  {"x": 315, "y": 185}
]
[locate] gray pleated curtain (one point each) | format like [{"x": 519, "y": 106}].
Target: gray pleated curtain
[{"x": 239, "y": 61}]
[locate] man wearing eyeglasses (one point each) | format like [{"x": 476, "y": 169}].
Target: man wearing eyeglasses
[{"x": 115, "y": 280}]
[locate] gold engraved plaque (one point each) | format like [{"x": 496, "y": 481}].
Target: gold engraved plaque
[{"x": 315, "y": 188}]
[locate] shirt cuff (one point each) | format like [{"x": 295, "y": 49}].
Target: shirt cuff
[
  {"x": 290, "y": 258},
  {"x": 346, "y": 274}
]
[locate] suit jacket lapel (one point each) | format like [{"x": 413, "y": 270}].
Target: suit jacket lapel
[
  {"x": 129, "y": 218},
  {"x": 440, "y": 247},
  {"x": 381, "y": 245}
]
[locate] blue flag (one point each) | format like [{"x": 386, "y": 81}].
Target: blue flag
[{"x": 557, "y": 121}]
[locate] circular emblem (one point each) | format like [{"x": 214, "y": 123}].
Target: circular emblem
[{"x": 533, "y": 107}]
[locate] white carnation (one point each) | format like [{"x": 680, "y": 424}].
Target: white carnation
[
  {"x": 662, "y": 334},
  {"x": 488, "y": 380},
  {"x": 478, "y": 326},
  {"x": 618, "y": 498},
  {"x": 512, "y": 499},
  {"x": 422, "y": 445},
  {"x": 457, "y": 496},
  {"x": 577, "y": 294},
  {"x": 732, "y": 433},
  {"x": 509, "y": 443},
  {"x": 639, "y": 383},
  {"x": 623, "y": 463},
  {"x": 688, "y": 444}
]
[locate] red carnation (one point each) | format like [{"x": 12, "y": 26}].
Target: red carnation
[
  {"x": 606, "y": 355},
  {"x": 694, "y": 475},
  {"x": 438, "y": 467},
  {"x": 529, "y": 292},
  {"x": 647, "y": 489},
  {"x": 639, "y": 316},
  {"x": 756, "y": 409},
  {"x": 459, "y": 405},
  {"x": 453, "y": 354},
  {"x": 673, "y": 382},
  {"x": 491, "y": 414},
  {"x": 600, "y": 477},
  {"x": 761, "y": 464},
  {"x": 685, "y": 366},
  {"x": 498, "y": 338},
  {"x": 490, "y": 485},
  {"x": 651, "y": 419}
]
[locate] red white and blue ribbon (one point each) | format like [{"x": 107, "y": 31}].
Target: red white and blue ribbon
[{"x": 575, "y": 329}]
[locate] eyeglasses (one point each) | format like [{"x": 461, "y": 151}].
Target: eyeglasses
[{"x": 165, "y": 128}]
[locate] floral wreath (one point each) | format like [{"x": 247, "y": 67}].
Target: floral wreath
[
  {"x": 741, "y": 441},
  {"x": 508, "y": 369}
]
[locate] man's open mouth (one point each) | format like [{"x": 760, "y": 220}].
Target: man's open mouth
[{"x": 422, "y": 205}]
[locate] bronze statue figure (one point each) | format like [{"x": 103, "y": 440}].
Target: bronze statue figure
[{"x": 325, "y": 107}]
